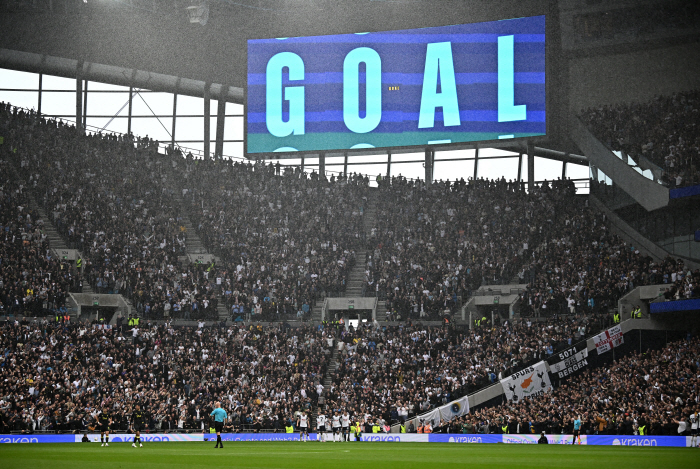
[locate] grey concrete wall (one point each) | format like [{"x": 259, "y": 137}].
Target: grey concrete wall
[
  {"x": 632, "y": 76},
  {"x": 647, "y": 193}
]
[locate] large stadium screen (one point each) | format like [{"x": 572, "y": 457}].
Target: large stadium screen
[{"x": 415, "y": 87}]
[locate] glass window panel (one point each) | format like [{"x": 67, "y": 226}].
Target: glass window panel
[
  {"x": 212, "y": 130},
  {"x": 153, "y": 128},
  {"x": 50, "y": 82},
  {"x": 233, "y": 128},
  {"x": 19, "y": 80},
  {"x": 493, "y": 152},
  {"x": 407, "y": 157},
  {"x": 311, "y": 162},
  {"x": 379, "y": 158},
  {"x": 23, "y": 99},
  {"x": 235, "y": 150},
  {"x": 58, "y": 104},
  {"x": 368, "y": 170},
  {"x": 446, "y": 155},
  {"x": 189, "y": 128},
  {"x": 107, "y": 104},
  {"x": 496, "y": 168},
  {"x": 118, "y": 125},
  {"x": 189, "y": 106},
  {"x": 160, "y": 104},
  {"x": 576, "y": 171},
  {"x": 335, "y": 163},
  {"x": 233, "y": 108},
  {"x": 407, "y": 170},
  {"x": 96, "y": 85},
  {"x": 196, "y": 148},
  {"x": 546, "y": 169},
  {"x": 452, "y": 170},
  {"x": 284, "y": 161}
]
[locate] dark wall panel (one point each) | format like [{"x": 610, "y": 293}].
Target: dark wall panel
[{"x": 165, "y": 42}]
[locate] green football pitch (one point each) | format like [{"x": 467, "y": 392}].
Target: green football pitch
[{"x": 314, "y": 455}]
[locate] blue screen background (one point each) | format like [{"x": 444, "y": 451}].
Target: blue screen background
[{"x": 403, "y": 62}]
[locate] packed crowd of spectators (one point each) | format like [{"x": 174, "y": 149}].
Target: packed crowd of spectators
[
  {"x": 663, "y": 130},
  {"x": 110, "y": 197},
  {"x": 582, "y": 267},
  {"x": 643, "y": 394},
  {"x": 399, "y": 371},
  {"x": 59, "y": 377},
  {"x": 32, "y": 279},
  {"x": 683, "y": 284},
  {"x": 283, "y": 240},
  {"x": 433, "y": 245}
]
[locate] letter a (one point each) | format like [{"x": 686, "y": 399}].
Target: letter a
[{"x": 438, "y": 61}]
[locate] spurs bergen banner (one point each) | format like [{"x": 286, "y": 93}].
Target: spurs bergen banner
[
  {"x": 532, "y": 381},
  {"x": 609, "y": 339},
  {"x": 428, "y": 86},
  {"x": 572, "y": 360}
]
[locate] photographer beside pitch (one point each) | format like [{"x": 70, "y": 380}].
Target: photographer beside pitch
[{"x": 220, "y": 417}]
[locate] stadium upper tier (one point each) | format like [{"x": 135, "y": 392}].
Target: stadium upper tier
[
  {"x": 285, "y": 240},
  {"x": 664, "y": 131}
]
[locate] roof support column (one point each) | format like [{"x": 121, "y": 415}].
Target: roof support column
[{"x": 207, "y": 120}]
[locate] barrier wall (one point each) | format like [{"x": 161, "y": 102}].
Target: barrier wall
[
  {"x": 589, "y": 440},
  {"x": 260, "y": 436},
  {"x": 38, "y": 438},
  {"x": 145, "y": 437}
]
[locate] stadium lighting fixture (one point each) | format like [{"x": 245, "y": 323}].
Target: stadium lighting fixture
[{"x": 198, "y": 13}]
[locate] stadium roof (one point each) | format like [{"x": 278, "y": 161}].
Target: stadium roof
[{"x": 156, "y": 35}]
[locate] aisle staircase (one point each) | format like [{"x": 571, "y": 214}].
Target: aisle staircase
[
  {"x": 55, "y": 240},
  {"x": 327, "y": 381},
  {"x": 194, "y": 242},
  {"x": 194, "y": 245}
]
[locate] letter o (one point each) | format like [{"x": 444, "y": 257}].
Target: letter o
[{"x": 351, "y": 90}]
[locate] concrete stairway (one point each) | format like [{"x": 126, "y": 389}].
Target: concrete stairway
[
  {"x": 56, "y": 241},
  {"x": 194, "y": 242},
  {"x": 356, "y": 276},
  {"x": 327, "y": 381},
  {"x": 316, "y": 312}
]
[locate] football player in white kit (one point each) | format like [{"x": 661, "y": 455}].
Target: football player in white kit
[
  {"x": 321, "y": 425},
  {"x": 336, "y": 426},
  {"x": 345, "y": 425},
  {"x": 694, "y": 429},
  {"x": 303, "y": 424}
]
